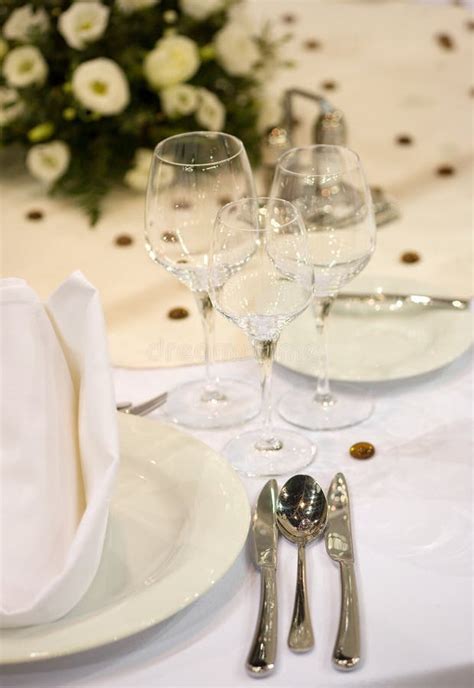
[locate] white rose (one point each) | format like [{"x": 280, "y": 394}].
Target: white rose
[
  {"x": 137, "y": 176},
  {"x": 236, "y": 50},
  {"x": 200, "y": 9},
  {"x": 129, "y": 6},
  {"x": 210, "y": 113},
  {"x": 83, "y": 22},
  {"x": 24, "y": 66},
  {"x": 23, "y": 21},
  {"x": 10, "y": 105},
  {"x": 174, "y": 59},
  {"x": 48, "y": 161},
  {"x": 179, "y": 100},
  {"x": 101, "y": 86}
]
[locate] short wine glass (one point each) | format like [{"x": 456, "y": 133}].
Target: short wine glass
[
  {"x": 261, "y": 278},
  {"x": 192, "y": 175},
  {"x": 328, "y": 186}
]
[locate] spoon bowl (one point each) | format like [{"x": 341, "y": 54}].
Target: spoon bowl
[{"x": 301, "y": 517}]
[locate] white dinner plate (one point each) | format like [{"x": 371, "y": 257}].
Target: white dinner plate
[
  {"x": 369, "y": 345},
  {"x": 178, "y": 519}
]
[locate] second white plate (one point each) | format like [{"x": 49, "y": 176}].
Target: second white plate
[
  {"x": 367, "y": 345},
  {"x": 178, "y": 519}
]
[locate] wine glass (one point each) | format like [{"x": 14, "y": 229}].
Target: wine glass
[
  {"x": 328, "y": 186},
  {"x": 261, "y": 278},
  {"x": 191, "y": 176}
]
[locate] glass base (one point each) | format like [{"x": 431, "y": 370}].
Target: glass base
[
  {"x": 291, "y": 452},
  {"x": 194, "y": 406},
  {"x": 348, "y": 405}
]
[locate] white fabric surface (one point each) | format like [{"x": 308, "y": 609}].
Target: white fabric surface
[
  {"x": 59, "y": 448},
  {"x": 412, "y": 521}
]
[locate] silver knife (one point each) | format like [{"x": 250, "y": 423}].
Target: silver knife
[
  {"x": 346, "y": 654},
  {"x": 261, "y": 659},
  {"x": 395, "y": 301}
]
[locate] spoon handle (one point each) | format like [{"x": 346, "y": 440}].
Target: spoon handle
[
  {"x": 261, "y": 659},
  {"x": 301, "y": 638}
]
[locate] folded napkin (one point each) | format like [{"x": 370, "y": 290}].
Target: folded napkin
[{"x": 59, "y": 448}]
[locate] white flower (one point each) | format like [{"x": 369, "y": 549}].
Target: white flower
[
  {"x": 200, "y": 9},
  {"x": 10, "y": 105},
  {"x": 236, "y": 50},
  {"x": 101, "y": 86},
  {"x": 137, "y": 176},
  {"x": 179, "y": 100},
  {"x": 174, "y": 59},
  {"x": 23, "y": 21},
  {"x": 210, "y": 113},
  {"x": 129, "y": 6},
  {"x": 48, "y": 161},
  {"x": 24, "y": 66},
  {"x": 83, "y": 22}
]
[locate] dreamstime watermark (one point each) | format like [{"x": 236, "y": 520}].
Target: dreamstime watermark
[{"x": 164, "y": 352}]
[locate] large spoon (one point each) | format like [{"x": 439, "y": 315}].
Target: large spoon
[{"x": 301, "y": 516}]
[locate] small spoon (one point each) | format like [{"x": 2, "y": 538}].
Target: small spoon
[{"x": 301, "y": 516}]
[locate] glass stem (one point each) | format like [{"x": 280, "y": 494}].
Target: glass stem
[
  {"x": 321, "y": 308},
  {"x": 264, "y": 353},
  {"x": 211, "y": 391}
]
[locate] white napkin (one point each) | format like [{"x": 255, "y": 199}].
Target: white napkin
[{"x": 59, "y": 448}]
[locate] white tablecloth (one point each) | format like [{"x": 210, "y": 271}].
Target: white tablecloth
[{"x": 412, "y": 520}]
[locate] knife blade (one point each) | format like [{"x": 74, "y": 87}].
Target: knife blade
[
  {"x": 396, "y": 301},
  {"x": 346, "y": 654},
  {"x": 261, "y": 658}
]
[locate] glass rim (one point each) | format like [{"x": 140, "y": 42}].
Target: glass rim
[
  {"x": 259, "y": 199},
  {"x": 296, "y": 149},
  {"x": 205, "y": 134}
]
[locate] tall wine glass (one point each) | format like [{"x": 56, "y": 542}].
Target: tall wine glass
[
  {"x": 328, "y": 186},
  {"x": 261, "y": 278},
  {"x": 191, "y": 176}
]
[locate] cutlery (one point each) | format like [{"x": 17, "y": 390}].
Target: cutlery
[
  {"x": 143, "y": 408},
  {"x": 346, "y": 654},
  {"x": 396, "y": 301},
  {"x": 301, "y": 517},
  {"x": 261, "y": 658}
]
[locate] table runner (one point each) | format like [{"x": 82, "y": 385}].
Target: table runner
[{"x": 391, "y": 76}]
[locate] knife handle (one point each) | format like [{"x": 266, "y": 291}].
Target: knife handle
[
  {"x": 346, "y": 653},
  {"x": 261, "y": 659}
]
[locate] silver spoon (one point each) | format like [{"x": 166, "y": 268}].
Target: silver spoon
[{"x": 301, "y": 516}]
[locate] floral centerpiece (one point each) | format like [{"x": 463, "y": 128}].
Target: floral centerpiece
[{"x": 89, "y": 87}]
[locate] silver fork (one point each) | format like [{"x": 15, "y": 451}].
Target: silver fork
[{"x": 143, "y": 408}]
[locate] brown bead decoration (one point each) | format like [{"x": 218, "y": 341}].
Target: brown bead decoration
[
  {"x": 445, "y": 41},
  {"x": 470, "y": 25},
  {"x": 34, "y": 215},
  {"x": 169, "y": 237},
  {"x": 311, "y": 44},
  {"x": 404, "y": 140},
  {"x": 288, "y": 18},
  {"x": 329, "y": 85},
  {"x": 362, "y": 451},
  {"x": 224, "y": 200},
  {"x": 123, "y": 240},
  {"x": 410, "y": 257},
  {"x": 445, "y": 171},
  {"x": 181, "y": 204},
  {"x": 178, "y": 313}
]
